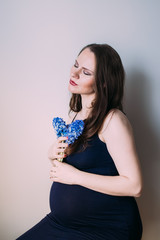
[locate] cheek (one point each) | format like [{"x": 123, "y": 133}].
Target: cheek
[{"x": 90, "y": 84}]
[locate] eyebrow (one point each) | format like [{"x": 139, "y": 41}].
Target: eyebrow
[{"x": 84, "y": 67}]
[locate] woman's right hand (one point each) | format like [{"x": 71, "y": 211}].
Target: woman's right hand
[{"x": 57, "y": 150}]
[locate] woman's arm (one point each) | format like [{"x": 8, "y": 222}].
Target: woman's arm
[
  {"x": 120, "y": 143},
  {"x": 119, "y": 139}
]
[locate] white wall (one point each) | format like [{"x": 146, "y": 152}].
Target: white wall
[{"x": 39, "y": 42}]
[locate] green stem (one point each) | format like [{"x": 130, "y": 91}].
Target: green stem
[{"x": 61, "y": 159}]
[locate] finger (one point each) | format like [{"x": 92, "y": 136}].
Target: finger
[
  {"x": 61, "y": 156},
  {"x": 60, "y": 152},
  {"x": 53, "y": 163},
  {"x": 62, "y": 145},
  {"x": 53, "y": 175},
  {"x": 53, "y": 169},
  {"x": 60, "y": 139},
  {"x": 57, "y": 163},
  {"x": 54, "y": 179}
]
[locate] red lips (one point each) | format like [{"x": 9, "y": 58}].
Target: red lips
[{"x": 72, "y": 83}]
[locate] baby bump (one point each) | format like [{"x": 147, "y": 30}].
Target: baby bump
[{"x": 71, "y": 204}]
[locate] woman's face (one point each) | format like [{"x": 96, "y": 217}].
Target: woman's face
[{"x": 82, "y": 76}]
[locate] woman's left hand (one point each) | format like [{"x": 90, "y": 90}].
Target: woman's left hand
[{"x": 63, "y": 173}]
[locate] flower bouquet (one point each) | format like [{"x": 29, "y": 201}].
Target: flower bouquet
[{"x": 72, "y": 131}]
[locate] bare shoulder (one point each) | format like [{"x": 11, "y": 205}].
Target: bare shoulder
[
  {"x": 120, "y": 119},
  {"x": 115, "y": 124}
]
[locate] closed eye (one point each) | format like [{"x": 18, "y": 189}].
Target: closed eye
[
  {"x": 86, "y": 73},
  {"x": 85, "y": 70}
]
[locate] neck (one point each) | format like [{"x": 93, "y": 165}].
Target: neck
[{"x": 86, "y": 105}]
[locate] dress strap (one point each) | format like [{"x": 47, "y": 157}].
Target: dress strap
[{"x": 74, "y": 117}]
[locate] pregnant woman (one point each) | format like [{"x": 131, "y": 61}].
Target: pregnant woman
[{"x": 94, "y": 188}]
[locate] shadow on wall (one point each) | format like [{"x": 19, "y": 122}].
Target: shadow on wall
[{"x": 138, "y": 108}]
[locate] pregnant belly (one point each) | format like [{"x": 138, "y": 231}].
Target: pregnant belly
[{"x": 74, "y": 205}]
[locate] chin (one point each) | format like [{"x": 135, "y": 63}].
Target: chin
[{"x": 71, "y": 90}]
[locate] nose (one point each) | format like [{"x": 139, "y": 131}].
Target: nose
[{"x": 75, "y": 73}]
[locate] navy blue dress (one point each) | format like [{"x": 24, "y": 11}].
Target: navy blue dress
[{"x": 78, "y": 213}]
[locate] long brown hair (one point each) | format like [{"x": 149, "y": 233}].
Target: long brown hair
[{"x": 109, "y": 88}]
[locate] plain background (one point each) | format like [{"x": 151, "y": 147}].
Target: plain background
[{"x": 40, "y": 40}]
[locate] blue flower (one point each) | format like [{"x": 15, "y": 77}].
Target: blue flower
[
  {"x": 75, "y": 129},
  {"x": 60, "y": 126},
  {"x": 72, "y": 131}
]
